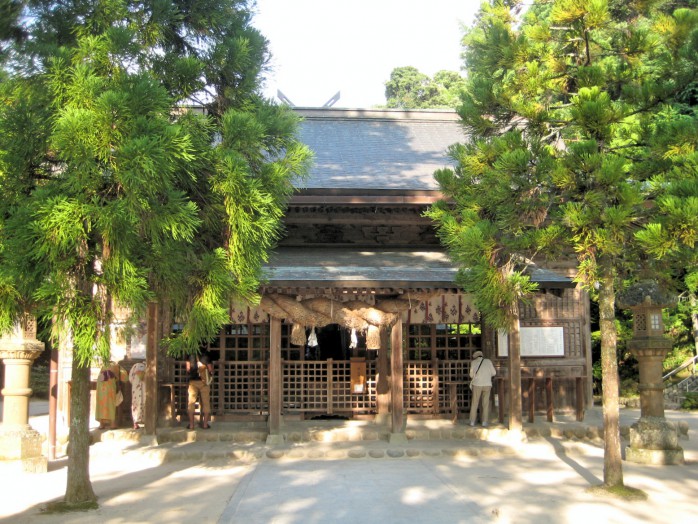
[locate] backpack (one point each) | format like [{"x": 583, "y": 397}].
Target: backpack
[{"x": 204, "y": 374}]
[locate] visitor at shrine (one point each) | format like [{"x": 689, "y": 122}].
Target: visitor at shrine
[
  {"x": 109, "y": 394},
  {"x": 481, "y": 373},
  {"x": 200, "y": 377},
  {"x": 137, "y": 379}
]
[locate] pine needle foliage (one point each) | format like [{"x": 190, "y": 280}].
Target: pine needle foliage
[{"x": 582, "y": 125}]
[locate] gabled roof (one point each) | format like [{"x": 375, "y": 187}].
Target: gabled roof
[{"x": 378, "y": 149}]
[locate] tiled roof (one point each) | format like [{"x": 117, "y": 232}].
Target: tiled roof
[
  {"x": 366, "y": 267},
  {"x": 378, "y": 149}
]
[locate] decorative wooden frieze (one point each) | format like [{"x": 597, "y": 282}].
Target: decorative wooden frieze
[{"x": 455, "y": 308}]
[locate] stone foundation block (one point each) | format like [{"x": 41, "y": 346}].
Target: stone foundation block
[
  {"x": 24, "y": 447},
  {"x": 657, "y": 457}
]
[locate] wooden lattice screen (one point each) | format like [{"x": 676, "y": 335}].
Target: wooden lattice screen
[
  {"x": 241, "y": 386},
  {"x": 324, "y": 387}
]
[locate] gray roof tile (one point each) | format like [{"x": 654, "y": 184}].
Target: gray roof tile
[
  {"x": 370, "y": 267},
  {"x": 378, "y": 149}
]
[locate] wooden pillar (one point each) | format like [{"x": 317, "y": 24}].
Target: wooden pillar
[
  {"x": 382, "y": 384},
  {"x": 549, "y": 398},
  {"x": 151, "y": 368},
  {"x": 275, "y": 376},
  {"x": 579, "y": 383},
  {"x": 396, "y": 378},
  {"x": 501, "y": 394},
  {"x": 532, "y": 399}
]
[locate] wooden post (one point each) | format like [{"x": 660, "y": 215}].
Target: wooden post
[
  {"x": 549, "y": 398},
  {"x": 532, "y": 399},
  {"x": 275, "y": 376},
  {"x": 501, "y": 394},
  {"x": 382, "y": 384},
  {"x": 330, "y": 386},
  {"x": 453, "y": 401},
  {"x": 580, "y": 398},
  {"x": 151, "y": 368},
  {"x": 396, "y": 378}
]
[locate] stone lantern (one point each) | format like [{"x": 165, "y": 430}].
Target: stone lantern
[
  {"x": 19, "y": 443},
  {"x": 653, "y": 439}
]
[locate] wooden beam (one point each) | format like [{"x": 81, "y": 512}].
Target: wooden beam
[{"x": 396, "y": 378}]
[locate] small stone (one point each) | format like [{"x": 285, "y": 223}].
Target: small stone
[
  {"x": 275, "y": 453},
  {"x": 357, "y": 453}
]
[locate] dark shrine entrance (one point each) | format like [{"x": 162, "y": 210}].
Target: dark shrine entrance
[{"x": 334, "y": 342}]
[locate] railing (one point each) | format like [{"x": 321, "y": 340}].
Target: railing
[{"x": 682, "y": 367}]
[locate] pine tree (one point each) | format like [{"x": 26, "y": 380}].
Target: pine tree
[
  {"x": 116, "y": 193},
  {"x": 570, "y": 110}
]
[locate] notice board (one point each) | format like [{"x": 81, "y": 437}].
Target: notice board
[{"x": 535, "y": 342}]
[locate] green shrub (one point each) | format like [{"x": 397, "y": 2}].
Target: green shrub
[
  {"x": 690, "y": 401},
  {"x": 38, "y": 380},
  {"x": 677, "y": 356},
  {"x": 629, "y": 387}
]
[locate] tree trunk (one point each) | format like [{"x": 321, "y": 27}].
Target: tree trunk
[
  {"x": 515, "y": 410},
  {"x": 613, "y": 466},
  {"x": 694, "y": 320},
  {"x": 78, "y": 487}
]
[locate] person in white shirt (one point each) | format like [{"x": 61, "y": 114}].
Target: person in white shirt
[{"x": 481, "y": 373}]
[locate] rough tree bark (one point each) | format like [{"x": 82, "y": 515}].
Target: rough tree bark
[
  {"x": 613, "y": 466},
  {"x": 78, "y": 487},
  {"x": 515, "y": 409}
]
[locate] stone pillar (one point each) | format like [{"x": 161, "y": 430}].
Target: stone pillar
[
  {"x": 19, "y": 443},
  {"x": 653, "y": 439}
]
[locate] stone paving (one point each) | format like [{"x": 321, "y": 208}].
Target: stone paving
[{"x": 334, "y": 476}]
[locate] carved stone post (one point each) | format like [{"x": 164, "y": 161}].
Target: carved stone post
[
  {"x": 653, "y": 439},
  {"x": 18, "y": 441}
]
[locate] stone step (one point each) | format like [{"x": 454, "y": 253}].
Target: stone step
[
  {"x": 225, "y": 441},
  {"x": 225, "y": 433},
  {"x": 215, "y": 451}
]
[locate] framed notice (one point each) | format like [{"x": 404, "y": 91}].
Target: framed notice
[
  {"x": 502, "y": 343},
  {"x": 535, "y": 342}
]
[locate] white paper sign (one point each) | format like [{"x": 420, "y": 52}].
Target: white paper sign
[{"x": 535, "y": 342}]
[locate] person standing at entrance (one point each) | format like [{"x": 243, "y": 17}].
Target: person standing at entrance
[
  {"x": 199, "y": 376},
  {"x": 481, "y": 373},
  {"x": 108, "y": 388}
]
